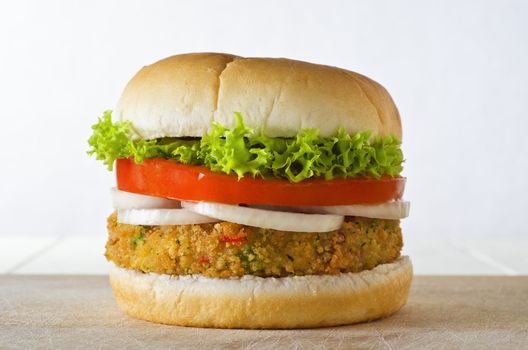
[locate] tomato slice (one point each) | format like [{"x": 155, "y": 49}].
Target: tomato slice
[{"x": 170, "y": 179}]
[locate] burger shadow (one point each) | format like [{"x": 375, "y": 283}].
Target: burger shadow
[
  {"x": 437, "y": 315},
  {"x": 442, "y": 313}
]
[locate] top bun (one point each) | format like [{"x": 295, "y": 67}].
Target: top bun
[{"x": 182, "y": 95}]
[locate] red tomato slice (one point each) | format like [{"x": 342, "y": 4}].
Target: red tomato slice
[{"x": 170, "y": 179}]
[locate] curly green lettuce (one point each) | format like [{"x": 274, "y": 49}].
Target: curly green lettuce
[{"x": 243, "y": 152}]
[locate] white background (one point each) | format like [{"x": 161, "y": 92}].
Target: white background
[{"x": 458, "y": 71}]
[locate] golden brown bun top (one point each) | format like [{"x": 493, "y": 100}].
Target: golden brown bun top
[{"x": 182, "y": 95}]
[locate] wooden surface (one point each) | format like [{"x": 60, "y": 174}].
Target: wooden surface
[{"x": 68, "y": 312}]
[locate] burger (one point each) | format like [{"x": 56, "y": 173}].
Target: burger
[{"x": 254, "y": 193}]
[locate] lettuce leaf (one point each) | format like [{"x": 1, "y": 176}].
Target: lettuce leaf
[
  {"x": 243, "y": 152},
  {"x": 111, "y": 141}
]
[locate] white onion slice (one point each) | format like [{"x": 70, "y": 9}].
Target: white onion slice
[
  {"x": 161, "y": 217},
  {"x": 275, "y": 220},
  {"x": 391, "y": 210},
  {"x": 129, "y": 200}
]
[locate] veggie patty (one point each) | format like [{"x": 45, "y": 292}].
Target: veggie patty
[{"x": 227, "y": 249}]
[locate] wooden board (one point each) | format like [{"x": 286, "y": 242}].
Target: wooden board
[{"x": 67, "y": 312}]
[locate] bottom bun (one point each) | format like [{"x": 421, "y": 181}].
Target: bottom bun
[{"x": 257, "y": 302}]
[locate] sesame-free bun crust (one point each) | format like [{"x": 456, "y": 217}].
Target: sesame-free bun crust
[
  {"x": 182, "y": 95},
  {"x": 256, "y": 302}
]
